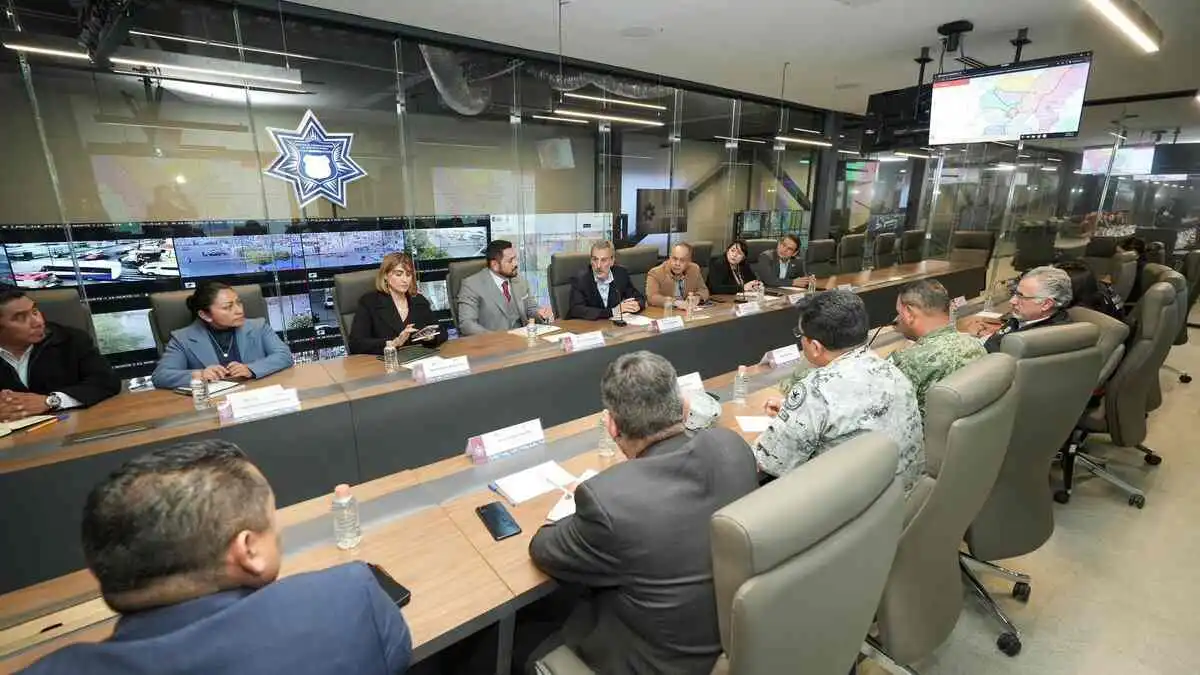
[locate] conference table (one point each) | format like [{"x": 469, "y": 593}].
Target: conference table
[{"x": 418, "y": 490}]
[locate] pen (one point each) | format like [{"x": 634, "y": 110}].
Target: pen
[{"x": 39, "y": 425}]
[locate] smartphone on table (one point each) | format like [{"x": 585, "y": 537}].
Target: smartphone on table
[
  {"x": 395, "y": 590},
  {"x": 498, "y": 521}
]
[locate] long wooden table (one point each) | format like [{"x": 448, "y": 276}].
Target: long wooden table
[
  {"x": 420, "y": 525},
  {"x": 359, "y": 423}
]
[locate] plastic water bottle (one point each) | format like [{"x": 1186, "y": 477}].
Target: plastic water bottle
[
  {"x": 693, "y": 301},
  {"x": 199, "y": 393},
  {"x": 740, "y": 385},
  {"x": 812, "y": 286},
  {"x": 760, "y": 293},
  {"x": 669, "y": 307},
  {"x": 607, "y": 447},
  {"x": 617, "y": 318},
  {"x": 391, "y": 359},
  {"x": 531, "y": 333},
  {"x": 347, "y": 531}
]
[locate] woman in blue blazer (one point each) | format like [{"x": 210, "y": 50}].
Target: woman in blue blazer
[{"x": 221, "y": 343}]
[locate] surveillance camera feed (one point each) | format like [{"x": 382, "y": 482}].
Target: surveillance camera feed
[{"x": 50, "y": 264}]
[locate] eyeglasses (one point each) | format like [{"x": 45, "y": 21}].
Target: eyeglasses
[
  {"x": 1021, "y": 296},
  {"x": 797, "y": 333}
]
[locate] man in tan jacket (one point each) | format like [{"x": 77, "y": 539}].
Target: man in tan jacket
[{"x": 673, "y": 280}]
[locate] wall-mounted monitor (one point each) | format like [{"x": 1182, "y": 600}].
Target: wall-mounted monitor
[
  {"x": 241, "y": 254},
  {"x": 349, "y": 249},
  {"x": 1029, "y": 99},
  {"x": 1130, "y": 161},
  {"x": 446, "y": 243},
  {"x": 60, "y": 263}
]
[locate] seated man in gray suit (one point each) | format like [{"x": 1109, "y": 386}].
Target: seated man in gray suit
[
  {"x": 783, "y": 265},
  {"x": 185, "y": 545},
  {"x": 495, "y": 299},
  {"x": 639, "y": 539}
]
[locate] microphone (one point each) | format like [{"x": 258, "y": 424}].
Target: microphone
[{"x": 877, "y": 330}]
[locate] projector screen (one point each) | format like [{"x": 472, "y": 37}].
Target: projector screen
[{"x": 1129, "y": 162}]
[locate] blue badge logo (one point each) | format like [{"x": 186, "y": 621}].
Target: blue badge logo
[{"x": 316, "y": 162}]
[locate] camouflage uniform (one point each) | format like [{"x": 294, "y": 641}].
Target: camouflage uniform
[
  {"x": 856, "y": 392},
  {"x": 935, "y": 356}
]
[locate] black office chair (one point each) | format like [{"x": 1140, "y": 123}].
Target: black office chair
[
  {"x": 885, "y": 250},
  {"x": 821, "y": 257},
  {"x": 454, "y": 277},
  {"x": 912, "y": 246},
  {"x": 348, "y": 289},
  {"x": 64, "y": 306},
  {"x": 1035, "y": 247},
  {"x": 169, "y": 312}
]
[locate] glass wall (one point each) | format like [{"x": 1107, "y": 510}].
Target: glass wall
[{"x": 260, "y": 148}]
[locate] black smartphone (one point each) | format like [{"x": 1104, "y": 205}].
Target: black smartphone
[
  {"x": 498, "y": 521},
  {"x": 395, "y": 590}
]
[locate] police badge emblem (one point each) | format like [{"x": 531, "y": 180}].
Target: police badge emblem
[{"x": 315, "y": 162}]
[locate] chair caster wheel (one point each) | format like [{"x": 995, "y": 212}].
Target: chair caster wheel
[
  {"x": 1153, "y": 459},
  {"x": 1009, "y": 643},
  {"x": 1185, "y": 378},
  {"x": 1062, "y": 496},
  {"x": 1021, "y": 591},
  {"x": 1137, "y": 500}
]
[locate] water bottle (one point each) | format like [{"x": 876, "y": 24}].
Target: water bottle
[
  {"x": 812, "y": 285},
  {"x": 531, "y": 333},
  {"x": 669, "y": 308},
  {"x": 617, "y": 318},
  {"x": 760, "y": 293},
  {"x": 199, "y": 393},
  {"x": 692, "y": 301},
  {"x": 391, "y": 359},
  {"x": 740, "y": 385},
  {"x": 347, "y": 531},
  {"x": 607, "y": 447}
]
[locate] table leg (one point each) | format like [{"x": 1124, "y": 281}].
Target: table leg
[{"x": 504, "y": 643}]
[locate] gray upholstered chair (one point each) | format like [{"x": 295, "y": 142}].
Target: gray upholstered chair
[
  {"x": 563, "y": 267},
  {"x": 64, "y": 306},
  {"x": 454, "y": 277},
  {"x": 850, "y": 253},
  {"x": 972, "y": 247},
  {"x": 757, "y": 247},
  {"x": 885, "y": 250},
  {"x": 968, "y": 422},
  {"x": 348, "y": 289},
  {"x": 800, "y": 590},
  {"x": 1057, "y": 368},
  {"x": 1122, "y": 269},
  {"x": 1129, "y": 392},
  {"x": 701, "y": 254},
  {"x": 169, "y": 312},
  {"x": 1099, "y": 255},
  {"x": 638, "y": 260},
  {"x": 1156, "y": 252},
  {"x": 1153, "y": 273},
  {"x": 1190, "y": 269},
  {"x": 821, "y": 257}
]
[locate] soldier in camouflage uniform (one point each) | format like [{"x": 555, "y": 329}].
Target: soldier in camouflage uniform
[
  {"x": 923, "y": 315},
  {"x": 849, "y": 391}
]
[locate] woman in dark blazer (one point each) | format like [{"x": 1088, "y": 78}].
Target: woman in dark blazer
[
  {"x": 731, "y": 273},
  {"x": 393, "y": 311}
]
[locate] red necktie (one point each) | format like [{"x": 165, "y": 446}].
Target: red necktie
[{"x": 507, "y": 295}]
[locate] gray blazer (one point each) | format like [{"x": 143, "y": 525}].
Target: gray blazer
[
  {"x": 191, "y": 349},
  {"x": 767, "y": 269},
  {"x": 482, "y": 309},
  {"x": 639, "y": 541}
]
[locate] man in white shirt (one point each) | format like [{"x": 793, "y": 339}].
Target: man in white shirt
[{"x": 495, "y": 299}]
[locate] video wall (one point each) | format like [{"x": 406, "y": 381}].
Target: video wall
[{"x": 120, "y": 264}]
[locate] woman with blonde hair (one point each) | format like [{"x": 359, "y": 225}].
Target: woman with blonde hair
[{"x": 394, "y": 311}]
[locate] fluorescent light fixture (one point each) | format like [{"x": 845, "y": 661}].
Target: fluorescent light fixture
[
  {"x": 806, "y": 131},
  {"x": 138, "y": 63},
  {"x": 465, "y": 146},
  {"x": 46, "y": 51},
  {"x": 911, "y": 155},
  {"x": 610, "y": 118},
  {"x": 1002, "y": 167},
  {"x": 740, "y": 140},
  {"x": 890, "y": 158},
  {"x": 804, "y": 141},
  {"x": 558, "y": 119},
  {"x": 849, "y": 152},
  {"x": 1010, "y": 145},
  {"x": 1129, "y": 18},
  {"x": 1050, "y": 168},
  {"x": 1053, "y": 159},
  {"x": 617, "y": 101},
  {"x": 216, "y": 43}
]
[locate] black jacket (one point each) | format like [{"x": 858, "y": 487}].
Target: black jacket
[
  {"x": 376, "y": 321},
  {"x": 66, "y": 361},
  {"x": 585, "y": 297},
  {"x": 767, "y": 269},
  {"x": 993, "y": 342},
  {"x": 720, "y": 276}
]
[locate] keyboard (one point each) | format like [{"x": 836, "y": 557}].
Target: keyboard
[{"x": 410, "y": 353}]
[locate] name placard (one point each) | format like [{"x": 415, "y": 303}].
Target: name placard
[
  {"x": 505, "y": 441},
  {"x": 747, "y": 308},
  {"x": 782, "y": 356},
  {"x": 845, "y": 287},
  {"x": 667, "y": 324},
  {"x": 441, "y": 369},
  {"x": 258, "y": 403},
  {"x": 690, "y": 383},
  {"x": 582, "y": 341},
  {"x": 796, "y": 298}
]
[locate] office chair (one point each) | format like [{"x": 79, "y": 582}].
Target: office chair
[
  {"x": 968, "y": 422},
  {"x": 638, "y": 260},
  {"x": 912, "y": 246},
  {"x": 799, "y": 590},
  {"x": 1035, "y": 247},
  {"x": 972, "y": 247},
  {"x": 348, "y": 289},
  {"x": 1156, "y": 252},
  {"x": 885, "y": 250},
  {"x": 169, "y": 312},
  {"x": 1099, "y": 256},
  {"x": 455, "y": 274},
  {"x": 1153, "y": 273},
  {"x": 756, "y": 247},
  {"x": 701, "y": 254},
  {"x": 563, "y": 268},
  {"x": 1190, "y": 268},
  {"x": 1057, "y": 368},
  {"x": 1122, "y": 270},
  {"x": 850, "y": 254},
  {"x": 64, "y": 307},
  {"x": 821, "y": 257}
]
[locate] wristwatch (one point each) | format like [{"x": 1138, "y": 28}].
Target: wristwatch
[{"x": 53, "y": 402}]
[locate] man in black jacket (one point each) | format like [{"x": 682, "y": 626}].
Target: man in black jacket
[
  {"x": 595, "y": 291},
  {"x": 45, "y": 366},
  {"x": 1040, "y": 299}
]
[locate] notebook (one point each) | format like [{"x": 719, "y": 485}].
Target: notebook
[
  {"x": 524, "y": 485},
  {"x": 566, "y": 504},
  {"x": 17, "y": 425}
]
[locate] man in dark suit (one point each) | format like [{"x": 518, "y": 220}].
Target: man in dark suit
[
  {"x": 783, "y": 265},
  {"x": 639, "y": 539},
  {"x": 1040, "y": 299},
  {"x": 595, "y": 291},
  {"x": 184, "y": 544}
]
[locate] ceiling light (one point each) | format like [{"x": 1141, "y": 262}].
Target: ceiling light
[
  {"x": 1002, "y": 167},
  {"x": 138, "y": 63},
  {"x": 1129, "y": 18},
  {"x": 181, "y": 179},
  {"x": 1049, "y": 168},
  {"x": 804, "y": 141},
  {"x": 806, "y": 131},
  {"x": 1053, "y": 159},
  {"x": 215, "y": 43},
  {"x": 610, "y": 118},
  {"x": 740, "y": 140},
  {"x": 617, "y": 101},
  {"x": 890, "y": 158},
  {"x": 849, "y": 152},
  {"x": 911, "y": 155},
  {"x": 558, "y": 119},
  {"x": 45, "y": 51}
]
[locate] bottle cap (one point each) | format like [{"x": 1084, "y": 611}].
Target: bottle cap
[
  {"x": 741, "y": 370},
  {"x": 341, "y": 491}
]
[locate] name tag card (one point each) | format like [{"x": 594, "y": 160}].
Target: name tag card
[
  {"x": 796, "y": 298},
  {"x": 782, "y": 356},
  {"x": 582, "y": 341},
  {"x": 667, "y": 324},
  {"x": 690, "y": 383},
  {"x": 506, "y": 441},
  {"x": 845, "y": 287},
  {"x": 258, "y": 403},
  {"x": 747, "y": 308},
  {"x": 441, "y": 369}
]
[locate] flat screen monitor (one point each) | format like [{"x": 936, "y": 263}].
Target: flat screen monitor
[
  {"x": 1030, "y": 99},
  {"x": 1131, "y": 161}
]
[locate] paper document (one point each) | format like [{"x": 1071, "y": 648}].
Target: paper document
[
  {"x": 753, "y": 423},
  {"x": 635, "y": 320},
  {"x": 566, "y": 505},
  {"x": 524, "y": 485},
  {"x": 542, "y": 329},
  {"x": 413, "y": 364},
  {"x": 556, "y": 338}
]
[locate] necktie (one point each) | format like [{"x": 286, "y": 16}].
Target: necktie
[
  {"x": 679, "y": 288},
  {"x": 507, "y": 295}
]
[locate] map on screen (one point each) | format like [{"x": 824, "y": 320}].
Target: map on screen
[
  {"x": 1043, "y": 98},
  {"x": 1132, "y": 161}
]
